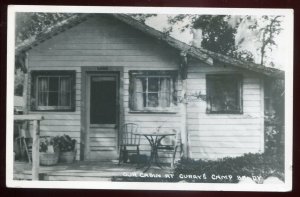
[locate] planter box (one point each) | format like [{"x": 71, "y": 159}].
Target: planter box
[
  {"x": 67, "y": 157},
  {"x": 49, "y": 159}
]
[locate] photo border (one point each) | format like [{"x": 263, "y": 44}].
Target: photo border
[{"x": 12, "y": 9}]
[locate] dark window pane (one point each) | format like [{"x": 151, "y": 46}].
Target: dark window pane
[
  {"x": 53, "y": 99},
  {"x": 153, "y": 84},
  {"x": 53, "y": 84},
  {"x": 144, "y": 99}
]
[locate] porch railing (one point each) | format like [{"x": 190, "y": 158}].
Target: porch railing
[{"x": 35, "y": 119}]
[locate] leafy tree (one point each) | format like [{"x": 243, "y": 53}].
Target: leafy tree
[
  {"x": 267, "y": 34},
  {"x": 32, "y": 23},
  {"x": 218, "y": 34}
]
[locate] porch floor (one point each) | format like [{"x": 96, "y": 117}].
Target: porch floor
[{"x": 91, "y": 171}]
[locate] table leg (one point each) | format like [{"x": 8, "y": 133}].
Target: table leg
[
  {"x": 154, "y": 152},
  {"x": 151, "y": 142}
]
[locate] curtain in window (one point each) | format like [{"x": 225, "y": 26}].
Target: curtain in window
[
  {"x": 137, "y": 101},
  {"x": 42, "y": 91},
  {"x": 64, "y": 91},
  {"x": 164, "y": 94}
]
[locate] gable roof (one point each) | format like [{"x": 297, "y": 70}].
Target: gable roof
[{"x": 197, "y": 53}]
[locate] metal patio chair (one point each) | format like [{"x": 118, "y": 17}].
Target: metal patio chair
[
  {"x": 171, "y": 143},
  {"x": 24, "y": 141},
  {"x": 129, "y": 142}
]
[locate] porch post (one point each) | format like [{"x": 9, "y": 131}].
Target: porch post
[
  {"x": 35, "y": 140},
  {"x": 183, "y": 111},
  {"x": 183, "y": 104},
  {"x": 25, "y": 85},
  {"x": 35, "y": 150}
]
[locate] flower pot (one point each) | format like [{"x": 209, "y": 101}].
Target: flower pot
[
  {"x": 49, "y": 159},
  {"x": 67, "y": 157}
]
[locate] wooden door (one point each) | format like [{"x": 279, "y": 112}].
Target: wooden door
[{"x": 102, "y": 116}]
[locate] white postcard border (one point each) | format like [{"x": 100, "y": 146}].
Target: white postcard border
[{"x": 12, "y": 9}]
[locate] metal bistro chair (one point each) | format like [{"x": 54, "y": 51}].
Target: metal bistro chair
[
  {"x": 25, "y": 141},
  {"x": 129, "y": 143},
  {"x": 171, "y": 143}
]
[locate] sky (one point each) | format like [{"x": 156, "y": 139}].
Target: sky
[{"x": 278, "y": 55}]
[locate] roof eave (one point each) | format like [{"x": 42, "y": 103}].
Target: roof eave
[{"x": 268, "y": 71}]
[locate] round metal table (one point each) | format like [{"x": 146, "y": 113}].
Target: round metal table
[{"x": 154, "y": 139}]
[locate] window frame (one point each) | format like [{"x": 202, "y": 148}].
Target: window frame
[
  {"x": 35, "y": 75},
  {"x": 171, "y": 74},
  {"x": 239, "y": 80}
]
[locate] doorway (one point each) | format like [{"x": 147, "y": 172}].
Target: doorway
[{"x": 102, "y": 116}]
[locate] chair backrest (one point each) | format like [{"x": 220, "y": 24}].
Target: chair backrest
[
  {"x": 127, "y": 134},
  {"x": 23, "y": 129},
  {"x": 172, "y": 140}
]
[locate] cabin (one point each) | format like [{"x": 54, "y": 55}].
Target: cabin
[{"x": 92, "y": 73}]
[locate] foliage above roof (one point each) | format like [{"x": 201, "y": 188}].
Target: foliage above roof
[
  {"x": 51, "y": 31},
  {"x": 198, "y": 53}
]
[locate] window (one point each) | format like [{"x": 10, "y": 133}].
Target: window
[
  {"x": 268, "y": 102},
  {"x": 224, "y": 93},
  {"x": 152, "y": 90},
  {"x": 53, "y": 90}
]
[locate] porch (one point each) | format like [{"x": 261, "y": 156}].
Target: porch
[{"x": 93, "y": 171}]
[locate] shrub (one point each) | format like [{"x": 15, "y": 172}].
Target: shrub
[
  {"x": 46, "y": 142},
  {"x": 274, "y": 117},
  {"x": 257, "y": 165},
  {"x": 65, "y": 143}
]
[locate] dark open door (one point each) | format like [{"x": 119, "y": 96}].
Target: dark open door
[
  {"x": 103, "y": 100},
  {"x": 102, "y": 116}
]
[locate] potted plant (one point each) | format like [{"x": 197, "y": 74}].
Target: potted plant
[
  {"x": 49, "y": 151},
  {"x": 67, "y": 148}
]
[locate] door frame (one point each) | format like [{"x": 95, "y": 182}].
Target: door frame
[{"x": 86, "y": 72}]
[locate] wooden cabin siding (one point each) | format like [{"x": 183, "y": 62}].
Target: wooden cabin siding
[
  {"x": 217, "y": 135},
  {"x": 102, "y": 41}
]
